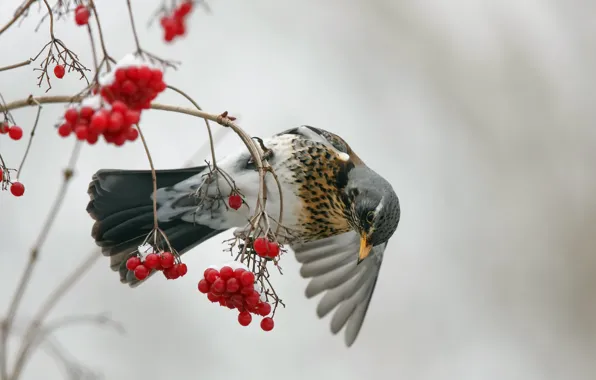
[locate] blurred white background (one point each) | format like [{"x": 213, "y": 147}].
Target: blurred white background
[{"x": 481, "y": 115}]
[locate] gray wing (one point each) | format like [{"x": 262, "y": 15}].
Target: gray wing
[{"x": 331, "y": 263}]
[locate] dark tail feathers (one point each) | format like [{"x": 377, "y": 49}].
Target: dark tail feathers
[{"x": 122, "y": 208}]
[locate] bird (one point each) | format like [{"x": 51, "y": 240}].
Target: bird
[{"x": 341, "y": 214}]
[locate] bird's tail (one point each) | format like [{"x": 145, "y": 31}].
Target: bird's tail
[{"x": 122, "y": 208}]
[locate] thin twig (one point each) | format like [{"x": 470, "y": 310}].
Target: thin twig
[
  {"x": 17, "y": 15},
  {"x": 134, "y": 28},
  {"x": 153, "y": 178},
  {"x": 39, "y": 107},
  {"x": 33, "y": 255},
  {"x": 16, "y": 65}
]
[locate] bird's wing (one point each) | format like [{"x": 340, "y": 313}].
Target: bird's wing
[{"x": 332, "y": 265}]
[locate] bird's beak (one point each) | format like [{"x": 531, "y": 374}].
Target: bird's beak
[{"x": 365, "y": 248}]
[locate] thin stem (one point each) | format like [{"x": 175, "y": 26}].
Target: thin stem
[
  {"x": 134, "y": 28},
  {"x": 51, "y": 14},
  {"x": 30, "y": 141},
  {"x": 153, "y": 178},
  {"x": 211, "y": 142},
  {"x": 17, "y": 14},
  {"x": 101, "y": 39},
  {"x": 16, "y": 65}
]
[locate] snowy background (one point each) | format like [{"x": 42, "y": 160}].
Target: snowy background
[{"x": 481, "y": 115}]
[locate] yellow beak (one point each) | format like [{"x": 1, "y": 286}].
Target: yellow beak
[{"x": 364, "y": 248}]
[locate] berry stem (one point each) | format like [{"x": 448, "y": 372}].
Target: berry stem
[
  {"x": 17, "y": 15},
  {"x": 134, "y": 28},
  {"x": 153, "y": 178},
  {"x": 39, "y": 107}
]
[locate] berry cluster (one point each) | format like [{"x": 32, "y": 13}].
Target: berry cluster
[
  {"x": 164, "y": 261},
  {"x": 266, "y": 248},
  {"x": 115, "y": 123},
  {"x": 235, "y": 201},
  {"x": 136, "y": 86},
  {"x": 14, "y": 132},
  {"x": 174, "y": 25},
  {"x": 82, "y": 15},
  {"x": 235, "y": 289}
]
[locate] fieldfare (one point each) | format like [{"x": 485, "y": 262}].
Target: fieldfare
[{"x": 341, "y": 213}]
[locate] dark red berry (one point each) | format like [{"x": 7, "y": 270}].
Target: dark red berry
[
  {"x": 17, "y": 189},
  {"x": 232, "y": 285},
  {"x": 264, "y": 309},
  {"x": 64, "y": 130},
  {"x": 218, "y": 286},
  {"x": 213, "y": 297},
  {"x": 212, "y": 275},
  {"x": 244, "y": 318},
  {"x": 235, "y": 201},
  {"x": 267, "y": 324},
  {"x": 182, "y": 269},
  {"x": 133, "y": 262},
  {"x": 141, "y": 272},
  {"x": 238, "y": 273},
  {"x": 71, "y": 115},
  {"x": 59, "y": 71}
]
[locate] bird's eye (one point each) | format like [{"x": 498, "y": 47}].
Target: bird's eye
[{"x": 370, "y": 216}]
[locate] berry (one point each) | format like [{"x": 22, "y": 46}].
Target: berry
[
  {"x": 211, "y": 275},
  {"x": 184, "y": 9},
  {"x": 4, "y": 128},
  {"x": 171, "y": 273},
  {"x": 132, "y": 134},
  {"x": 82, "y": 132},
  {"x": 1, "y": 175},
  {"x": 134, "y": 87},
  {"x": 182, "y": 269},
  {"x": 152, "y": 261},
  {"x": 218, "y": 286},
  {"x": 212, "y": 297},
  {"x": 133, "y": 262},
  {"x": 238, "y": 273},
  {"x": 167, "y": 260},
  {"x": 71, "y": 115},
  {"x": 99, "y": 121},
  {"x": 235, "y": 201},
  {"x": 15, "y": 132},
  {"x": 261, "y": 246},
  {"x": 244, "y": 318},
  {"x": 264, "y": 309},
  {"x": 59, "y": 71},
  {"x": 247, "y": 279},
  {"x": 273, "y": 249},
  {"x": 64, "y": 130},
  {"x": 17, "y": 189},
  {"x": 253, "y": 299},
  {"x": 204, "y": 286},
  {"x": 81, "y": 15},
  {"x": 267, "y": 324},
  {"x": 141, "y": 272},
  {"x": 232, "y": 285},
  {"x": 226, "y": 272}
]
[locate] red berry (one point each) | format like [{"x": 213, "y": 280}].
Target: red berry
[
  {"x": 253, "y": 299},
  {"x": 238, "y": 273},
  {"x": 247, "y": 278},
  {"x": 218, "y": 286},
  {"x": 212, "y": 275},
  {"x": 182, "y": 269},
  {"x": 133, "y": 262},
  {"x": 264, "y": 309},
  {"x": 232, "y": 285},
  {"x": 129, "y": 88},
  {"x": 273, "y": 248},
  {"x": 261, "y": 246},
  {"x": 99, "y": 121},
  {"x": 15, "y": 132},
  {"x": 82, "y": 132},
  {"x": 71, "y": 115},
  {"x": 213, "y": 297},
  {"x": 59, "y": 71},
  {"x": 152, "y": 261},
  {"x": 235, "y": 201},
  {"x": 267, "y": 324},
  {"x": 92, "y": 137},
  {"x": 132, "y": 117},
  {"x": 141, "y": 272},
  {"x": 64, "y": 130},
  {"x": 4, "y": 128},
  {"x": 244, "y": 318},
  {"x": 17, "y": 189},
  {"x": 132, "y": 72},
  {"x": 86, "y": 112},
  {"x": 183, "y": 10},
  {"x": 81, "y": 15},
  {"x": 204, "y": 286},
  {"x": 119, "y": 107},
  {"x": 226, "y": 272},
  {"x": 132, "y": 134},
  {"x": 167, "y": 260},
  {"x": 1, "y": 175},
  {"x": 171, "y": 273}
]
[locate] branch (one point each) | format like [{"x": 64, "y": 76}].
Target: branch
[{"x": 17, "y": 14}]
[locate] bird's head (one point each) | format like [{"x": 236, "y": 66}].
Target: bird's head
[{"x": 374, "y": 214}]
